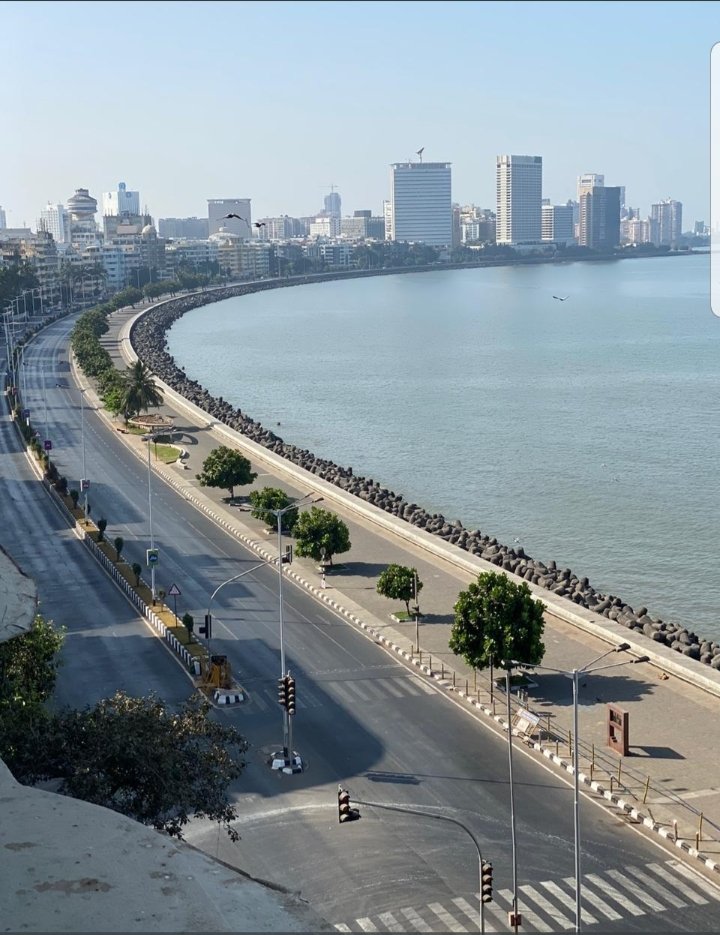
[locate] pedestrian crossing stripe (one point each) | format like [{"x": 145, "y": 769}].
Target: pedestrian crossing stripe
[
  {"x": 549, "y": 905},
  {"x": 353, "y": 691}
]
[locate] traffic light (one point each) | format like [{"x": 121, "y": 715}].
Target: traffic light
[
  {"x": 345, "y": 811},
  {"x": 206, "y": 628},
  {"x": 288, "y": 556},
  {"x": 290, "y": 694},
  {"x": 486, "y": 885},
  {"x": 283, "y": 691}
]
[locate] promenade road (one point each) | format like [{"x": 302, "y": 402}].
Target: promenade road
[{"x": 672, "y": 772}]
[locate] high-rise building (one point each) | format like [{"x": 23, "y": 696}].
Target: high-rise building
[
  {"x": 121, "y": 202},
  {"x": 56, "y": 221},
  {"x": 3, "y": 219},
  {"x": 333, "y": 205},
  {"x": 421, "y": 203},
  {"x": 600, "y": 218},
  {"x": 218, "y": 208},
  {"x": 557, "y": 223},
  {"x": 666, "y": 222},
  {"x": 387, "y": 218},
  {"x": 519, "y": 199},
  {"x": 585, "y": 185},
  {"x": 183, "y": 228},
  {"x": 82, "y": 207}
]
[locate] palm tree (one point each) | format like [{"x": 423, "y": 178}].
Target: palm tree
[{"x": 140, "y": 391}]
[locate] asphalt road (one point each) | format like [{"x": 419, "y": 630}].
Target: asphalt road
[{"x": 363, "y": 720}]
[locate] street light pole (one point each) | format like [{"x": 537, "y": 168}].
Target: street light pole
[
  {"x": 588, "y": 669},
  {"x": 152, "y": 538},
  {"x": 278, "y": 514},
  {"x": 512, "y": 803}
]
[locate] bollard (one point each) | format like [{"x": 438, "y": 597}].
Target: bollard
[
  {"x": 570, "y": 742},
  {"x": 474, "y": 679},
  {"x": 466, "y": 687},
  {"x": 420, "y": 654},
  {"x": 612, "y": 780},
  {"x": 548, "y": 728},
  {"x": 430, "y": 664},
  {"x": 675, "y": 834},
  {"x": 619, "y": 770},
  {"x": 557, "y": 748},
  {"x": 697, "y": 841},
  {"x": 493, "y": 707},
  {"x": 442, "y": 669},
  {"x": 700, "y": 827},
  {"x": 453, "y": 678},
  {"x": 593, "y": 759},
  {"x": 647, "y": 786},
  {"x": 592, "y": 770}
]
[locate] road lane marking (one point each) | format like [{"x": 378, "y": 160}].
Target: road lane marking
[
  {"x": 661, "y": 891},
  {"x": 547, "y": 907},
  {"x": 587, "y": 917},
  {"x": 415, "y": 920},
  {"x": 341, "y": 927},
  {"x": 689, "y": 875},
  {"x": 614, "y": 895},
  {"x": 449, "y": 921},
  {"x": 390, "y": 922},
  {"x": 593, "y": 898},
  {"x": 366, "y": 925},
  {"x": 636, "y": 891}
]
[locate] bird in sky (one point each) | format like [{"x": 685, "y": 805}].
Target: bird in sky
[
  {"x": 260, "y": 224},
  {"x": 561, "y": 298},
  {"x": 226, "y": 216}
]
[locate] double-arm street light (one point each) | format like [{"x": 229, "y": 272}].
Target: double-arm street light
[
  {"x": 574, "y": 674},
  {"x": 84, "y": 482}
]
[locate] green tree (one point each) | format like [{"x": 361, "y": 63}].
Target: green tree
[
  {"x": 119, "y": 544},
  {"x": 227, "y": 469},
  {"x": 140, "y": 390},
  {"x": 495, "y": 620},
  {"x": 102, "y": 526},
  {"x": 320, "y": 534},
  {"x": 272, "y": 498},
  {"x": 398, "y": 583}
]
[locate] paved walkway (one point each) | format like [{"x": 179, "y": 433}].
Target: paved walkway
[{"x": 671, "y": 774}]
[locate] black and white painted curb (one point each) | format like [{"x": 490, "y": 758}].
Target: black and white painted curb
[{"x": 225, "y": 696}]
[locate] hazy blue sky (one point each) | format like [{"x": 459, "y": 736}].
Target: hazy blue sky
[{"x": 276, "y": 101}]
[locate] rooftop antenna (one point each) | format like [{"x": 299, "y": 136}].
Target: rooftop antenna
[{"x": 420, "y": 152}]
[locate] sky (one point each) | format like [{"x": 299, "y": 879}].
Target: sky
[{"x": 277, "y": 101}]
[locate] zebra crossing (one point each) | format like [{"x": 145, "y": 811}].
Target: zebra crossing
[
  {"x": 352, "y": 691},
  {"x": 549, "y": 906}
]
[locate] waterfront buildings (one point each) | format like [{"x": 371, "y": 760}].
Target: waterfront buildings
[
  {"x": 218, "y": 208},
  {"x": 666, "y": 222},
  {"x": 519, "y": 199},
  {"x": 421, "y": 203},
  {"x": 82, "y": 208},
  {"x": 184, "y": 228},
  {"x": 557, "y": 223},
  {"x": 121, "y": 202},
  {"x": 600, "y": 217}
]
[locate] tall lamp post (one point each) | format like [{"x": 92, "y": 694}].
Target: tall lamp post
[
  {"x": 84, "y": 482},
  {"x": 286, "y": 760},
  {"x": 588, "y": 669}
]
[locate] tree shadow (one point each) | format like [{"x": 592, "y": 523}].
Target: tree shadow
[
  {"x": 436, "y": 618},
  {"x": 594, "y": 689},
  {"x": 363, "y": 569}
]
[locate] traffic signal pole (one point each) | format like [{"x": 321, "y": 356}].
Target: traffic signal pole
[{"x": 482, "y": 864}]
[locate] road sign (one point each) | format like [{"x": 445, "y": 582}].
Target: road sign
[
  {"x": 152, "y": 556},
  {"x": 26, "y": 413},
  {"x": 174, "y": 591},
  {"x": 47, "y": 445},
  {"x": 84, "y": 484}
]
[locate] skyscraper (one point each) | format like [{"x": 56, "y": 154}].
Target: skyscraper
[
  {"x": 600, "y": 218},
  {"x": 666, "y": 222},
  {"x": 333, "y": 205},
  {"x": 557, "y": 223},
  {"x": 121, "y": 202},
  {"x": 519, "y": 199},
  {"x": 82, "y": 207},
  {"x": 421, "y": 203},
  {"x": 219, "y": 207},
  {"x": 56, "y": 221},
  {"x": 585, "y": 185},
  {"x": 3, "y": 219}
]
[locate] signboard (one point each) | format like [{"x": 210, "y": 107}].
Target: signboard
[
  {"x": 526, "y": 721},
  {"x": 47, "y": 445},
  {"x": 26, "y": 413},
  {"x": 151, "y": 557},
  {"x": 174, "y": 591},
  {"x": 84, "y": 484}
]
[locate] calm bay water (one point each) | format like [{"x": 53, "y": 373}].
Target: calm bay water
[{"x": 587, "y": 429}]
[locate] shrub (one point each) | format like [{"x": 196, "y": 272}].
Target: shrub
[
  {"x": 137, "y": 571},
  {"x": 102, "y": 526},
  {"x": 119, "y": 544}
]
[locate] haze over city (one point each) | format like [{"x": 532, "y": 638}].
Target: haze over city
[{"x": 279, "y": 102}]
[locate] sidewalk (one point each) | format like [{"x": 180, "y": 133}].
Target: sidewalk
[{"x": 671, "y": 774}]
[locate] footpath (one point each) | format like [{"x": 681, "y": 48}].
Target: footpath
[{"x": 670, "y": 782}]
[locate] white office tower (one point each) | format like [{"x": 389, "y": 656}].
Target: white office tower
[
  {"x": 387, "y": 219},
  {"x": 121, "y": 202},
  {"x": 219, "y": 208},
  {"x": 421, "y": 203},
  {"x": 519, "y": 199},
  {"x": 585, "y": 185},
  {"x": 557, "y": 223},
  {"x": 56, "y": 221},
  {"x": 666, "y": 222},
  {"x": 3, "y": 219}
]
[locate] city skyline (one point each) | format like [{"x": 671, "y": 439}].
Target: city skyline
[{"x": 182, "y": 143}]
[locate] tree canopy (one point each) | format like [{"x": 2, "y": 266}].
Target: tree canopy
[
  {"x": 496, "y": 620},
  {"x": 398, "y": 583},
  {"x": 140, "y": 391},
  {"x": 272, "y": 498},
  {"x": 320, "y": 534},
  {"x": 227, "y": 469}
]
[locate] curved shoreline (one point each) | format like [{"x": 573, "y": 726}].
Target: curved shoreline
[{"x": 148, "y": 337}]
